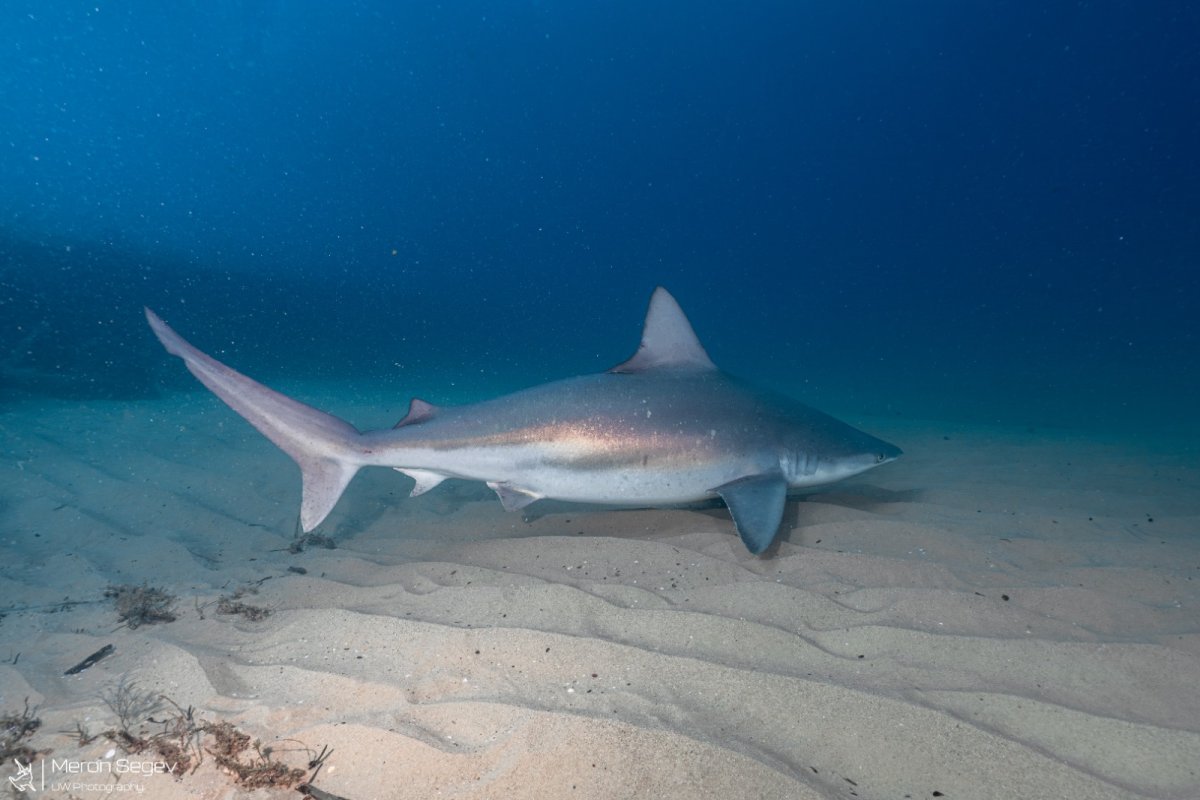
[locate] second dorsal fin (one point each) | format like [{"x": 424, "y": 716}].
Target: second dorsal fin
[{"x": 418, "y": 411}]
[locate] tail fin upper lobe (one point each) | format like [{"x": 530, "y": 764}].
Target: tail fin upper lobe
[{"x": 324, "y": 447}]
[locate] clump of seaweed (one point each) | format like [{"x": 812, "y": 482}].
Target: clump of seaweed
[
  {"x": 181, "y": 738},
  {"x": 15, "y": 728},
  {"x": 142, "y": 605},
  {"x": 255, "y": 771},
  {"x": 177, "y": 741},
  {"x": 232, "y": 604},
  {"x": 175, "y": 738},
  {"x": 311, "y": 540},
  {"x": 81, "y": 733},
  {"x": 131, "y": 704}
]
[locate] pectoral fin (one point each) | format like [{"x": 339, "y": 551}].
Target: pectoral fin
[{"x": 756, "y": 504}]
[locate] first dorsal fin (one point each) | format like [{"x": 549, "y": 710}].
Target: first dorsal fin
[
  {"x": 668, "y": 341},
  {"x": 418, "y": 411}
]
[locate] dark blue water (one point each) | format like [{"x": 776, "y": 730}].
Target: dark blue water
[{"x": 944, "y": 210}]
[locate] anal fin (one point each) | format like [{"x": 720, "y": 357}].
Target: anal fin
[
  {"x": 756, "y": 505},
  {"x": 425, "y": 480},
  {"x": 512, "y": 498}
]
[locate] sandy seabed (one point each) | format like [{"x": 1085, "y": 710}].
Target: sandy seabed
[{"x": 1003, "y": 613}]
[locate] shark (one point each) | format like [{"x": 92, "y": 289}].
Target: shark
[{"x": 665, "y": 427}]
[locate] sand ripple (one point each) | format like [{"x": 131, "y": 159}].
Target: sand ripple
[{"x": 1001, "y": 615}]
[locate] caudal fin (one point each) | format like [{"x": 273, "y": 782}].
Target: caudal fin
[{"x": 321, "y": 444}]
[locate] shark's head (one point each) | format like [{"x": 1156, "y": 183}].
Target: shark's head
[{"x": 835, "y": 453}]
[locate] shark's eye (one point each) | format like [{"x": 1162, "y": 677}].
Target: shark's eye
[{"x": 880, "y": 458}]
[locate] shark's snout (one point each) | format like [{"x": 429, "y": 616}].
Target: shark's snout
[
  {"x": 861, "y": 462},
  {"x": 878, "y": 452}
]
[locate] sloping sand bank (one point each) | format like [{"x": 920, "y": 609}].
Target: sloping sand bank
[{"x": 1001, "y": 614}]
